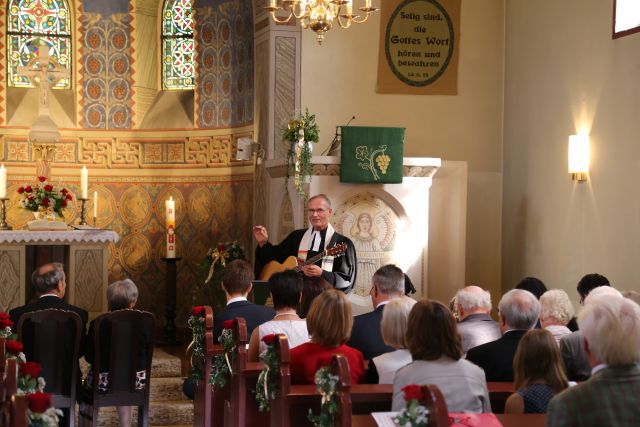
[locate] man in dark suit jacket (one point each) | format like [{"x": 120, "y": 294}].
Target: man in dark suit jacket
[
  {"x": 519, "y": 311},
  {"x": 476, "y": 326},
  {"x": 49, "y": 284},
  {"x": 387, "y": 283},
  {"x": 236, "y": 284}
]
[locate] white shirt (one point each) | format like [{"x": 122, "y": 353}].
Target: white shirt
[{"x": 236, "y": 299}]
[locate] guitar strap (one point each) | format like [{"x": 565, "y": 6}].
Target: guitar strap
[{"x": 305, "y": 245}]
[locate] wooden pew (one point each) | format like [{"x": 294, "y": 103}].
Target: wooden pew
[
  {"x": 241, "y": 408},
  {"x": 499, "y": 392},
  {"x": 293, "y": 402},
  {"x": 208, "y": 403},
  {"x": 13, "y": 412}
]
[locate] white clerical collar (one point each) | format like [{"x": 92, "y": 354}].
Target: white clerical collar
[
  {"x": 382, "y": 303},
  {"x": 599, "y": 367},
  {"x": 49, "y": 295},
  {"x": 236, "y": 299}
]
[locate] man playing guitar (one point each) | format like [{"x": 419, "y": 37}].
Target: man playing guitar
[{"x": 307, "y": 243}]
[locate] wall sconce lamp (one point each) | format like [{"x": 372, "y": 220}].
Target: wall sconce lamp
[
  {"x": 246, "y": 148},
  {"x": 579, "y": 157}
]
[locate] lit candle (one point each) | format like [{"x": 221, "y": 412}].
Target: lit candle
[
  {"x": 84, "y": 182},
  {"x": 3, "y": 181},
  {"x": 273, "y": 3},
  {"x": 170, "y": 208},
  {"x": 349, "y": 8},
  {"x": 95, "y": 204}
]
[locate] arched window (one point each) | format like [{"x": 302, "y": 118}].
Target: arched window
[
  {"x": 178, "y": 69},
  {"x": 32, "y": 23}
]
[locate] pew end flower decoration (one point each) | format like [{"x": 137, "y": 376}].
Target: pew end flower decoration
[
  {"x": 40, "y": 412},
  {"x": 267, "y": 384},
  {"x": 196, "y": 323},
  {"x": 44, "y": 196},
  {"x": 327, "y": 385},
  {"x": 414, "y": 414},
  {"x": 221, "y": 366}
]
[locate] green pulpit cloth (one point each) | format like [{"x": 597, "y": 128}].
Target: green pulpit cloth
[{"x": 371, "y": 155}]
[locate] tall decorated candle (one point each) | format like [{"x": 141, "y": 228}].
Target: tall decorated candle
[
  {"x": 3, "y": 181},
  {"x": 170, "y": 207},
  {"x": 95, "y": 204},
  {"x": 84, "y": 182}
]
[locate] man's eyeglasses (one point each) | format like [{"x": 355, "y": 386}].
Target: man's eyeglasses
[{"x": 318, "y": 211}]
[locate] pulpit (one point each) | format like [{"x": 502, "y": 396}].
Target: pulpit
[{"x": 85, "y": 254}]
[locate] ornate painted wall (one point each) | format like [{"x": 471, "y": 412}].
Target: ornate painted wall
[{"x": 134, "y": 171}]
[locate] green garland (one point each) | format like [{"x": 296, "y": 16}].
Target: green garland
[
  {"x": 267, "y": 384},
  {"x": 326, "y": 384},
  {"x": 196, "y": 323},
  {"x": 300, "y": 161},
  {"x": 221, "y": 366}
]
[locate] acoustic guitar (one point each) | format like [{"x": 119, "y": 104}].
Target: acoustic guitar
[{"x": 293, "y": 263}]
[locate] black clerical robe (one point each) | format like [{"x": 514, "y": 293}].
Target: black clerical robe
[{"x": 343, "y": 274}]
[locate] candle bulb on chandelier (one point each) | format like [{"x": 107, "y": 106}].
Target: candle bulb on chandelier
[{"x": 272, "y": 3}]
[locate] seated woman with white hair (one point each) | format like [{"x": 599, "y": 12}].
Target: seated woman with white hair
[
  {"x": 556, "y": 311},
  {"x": 393, "y": 327}
]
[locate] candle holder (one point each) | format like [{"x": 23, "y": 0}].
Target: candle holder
[
  {"x": 83, "y": 212},
  {"x": 3, "y": 214},
  {"x": 95, "y": 222},
  {"x": 171, "y": 280}
]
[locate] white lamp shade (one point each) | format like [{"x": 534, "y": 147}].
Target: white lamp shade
[{"x": 579, "y": 154}]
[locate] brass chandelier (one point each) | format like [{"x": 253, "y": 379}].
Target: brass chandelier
[{"x": 319, "y": 15}]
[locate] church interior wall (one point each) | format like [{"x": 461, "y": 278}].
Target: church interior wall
[
  {"x": 339, "y": 79},
  {"x": 564, "y": 75},
  {"x": 184, "y": 150}
]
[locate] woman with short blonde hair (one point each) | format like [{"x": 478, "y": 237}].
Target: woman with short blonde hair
[
  {"x": 329, "y": 323},
  {"x": 394, "y": 333}
]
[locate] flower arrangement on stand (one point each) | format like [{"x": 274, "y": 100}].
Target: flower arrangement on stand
[
  {"x": 221, "y": 366},
  {"x": 213, "y": 266},
  {"x": 300, "y": 133},
  {"x": 44, "y": 197},
  {"x": 196, "y": 323},
  {"x": 326, "y": 384},
  {"x": 40, "y": 412},
  {"x": 267, "y": 384},
  {"x": 414, "y": 414}
]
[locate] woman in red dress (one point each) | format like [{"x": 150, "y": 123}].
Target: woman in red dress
[{"x": 329, "y": 323}]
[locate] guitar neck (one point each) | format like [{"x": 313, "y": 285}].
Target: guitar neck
[{"x": 312, "y": 260}]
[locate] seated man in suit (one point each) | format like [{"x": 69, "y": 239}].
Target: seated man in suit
[
  {"x": 610, "y": 328},
  {"x": 476, "y": 326},
  {"x": 236, "y": 284},
  {"x": 576, "y": 363},
  {"x": 387, "y": 283},
  {"x": 49, "y": 284},
  {"x": 519, "y": 311}
]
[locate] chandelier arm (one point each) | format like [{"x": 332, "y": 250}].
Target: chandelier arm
[
  {"x": 348, "y": 21},
  {"x": 281, "y": 21},
  {"x": 356, "y": 21}
]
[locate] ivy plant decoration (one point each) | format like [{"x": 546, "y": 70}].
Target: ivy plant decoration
[{"x": 298, "y": 133}]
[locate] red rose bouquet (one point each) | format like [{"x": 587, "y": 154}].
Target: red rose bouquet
[
  {"x": 414, "y": 414},
  {"x": 40, "y": 411},
  {"x": 44, "y": 196}
]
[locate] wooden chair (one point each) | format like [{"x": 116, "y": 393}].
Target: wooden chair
[
  {"x": 434, "y": 401},
  {"x": 52, "y": 338},
  {"x": 241, "y": 409},
  {"x": 123, "y": 343},
  {"x": 208, "y": 404}
]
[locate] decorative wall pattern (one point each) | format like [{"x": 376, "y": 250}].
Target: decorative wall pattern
[
  {"x": 107, "y": 77},
  {"x": 285, "y": 95},
  {"x": 224, "y": 63},
  {"x": 3, "y": 77},
  {"x": 9, "y": 273}
]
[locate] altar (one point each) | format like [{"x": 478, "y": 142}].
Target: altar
[{"x": 85, "y": 254}]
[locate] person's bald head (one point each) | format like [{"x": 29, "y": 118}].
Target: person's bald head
[
  {"x": 519, "y": 309},
  {"x": 600, "y": 293},
  {"x": 472, "y": 300}
]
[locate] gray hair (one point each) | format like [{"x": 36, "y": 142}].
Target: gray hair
[
  {"x": 321, "y": 196},
  {"x": 389, "y": 279},
  {"x": 472, "y": 299},
  {"x": 47, "y": 281},
  {"x": 519, "y": 309},
  {"x": 555, "y": 306},
  {"x": 612, "y": 329},
  {"x": 600, "y": 293},
  {"x": 122, "y": 294}
]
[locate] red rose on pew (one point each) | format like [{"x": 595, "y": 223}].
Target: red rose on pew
[
  {"x": 228, "y": 324},
  {"x": 39, "y": 402},
  {"x": 42, "y": 178},
  {"x": 64, "y": 203},
  {"x": 48, "y": 187},
  {"x": 13, "y": 347},
  {"x": 412, "y": 391},
  {"x": 32, "y": 369},
  {"x": 198, "y": 310},
  {"x": 269, "y": 339}
]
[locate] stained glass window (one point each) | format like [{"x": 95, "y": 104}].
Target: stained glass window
[
  {"x": 32, "y": 25},
  {"x": 178, "y": 69}
]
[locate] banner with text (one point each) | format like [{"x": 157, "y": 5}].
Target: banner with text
[{"x": 419, "y": 45}]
